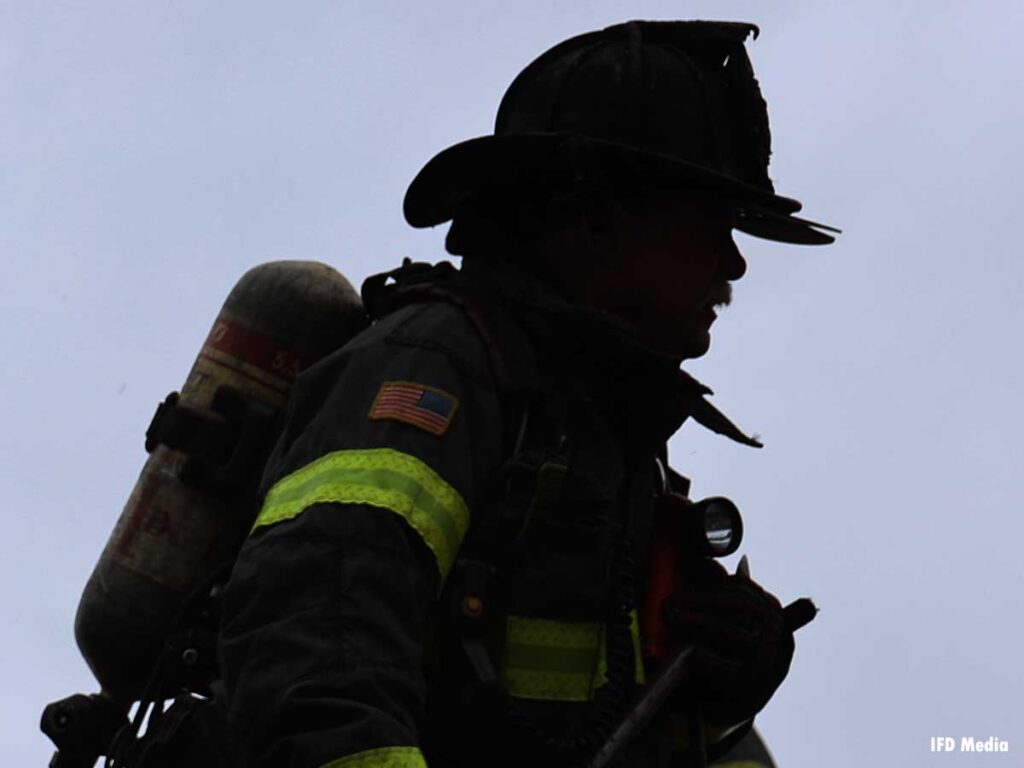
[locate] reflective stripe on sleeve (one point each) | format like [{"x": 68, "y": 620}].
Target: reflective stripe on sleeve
[
  {"x": 557, "y": 660},
  {"x": 384, "y": 757},
  {"x": 380, "y": 477}
]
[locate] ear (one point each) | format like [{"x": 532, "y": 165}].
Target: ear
[{"x": 600, "y": 231}]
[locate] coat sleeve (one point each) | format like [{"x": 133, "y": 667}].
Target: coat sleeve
[{"x": 368, "y": 497}]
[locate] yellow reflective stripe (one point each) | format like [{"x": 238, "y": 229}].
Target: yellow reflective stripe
[
  {"x": 384, "y": 757},
  {"x": 381, "y": 477},
  {"x": 638, "y": 655},
  {"x": 550, "y": 660},
  {"x": 558, "y": 660}
]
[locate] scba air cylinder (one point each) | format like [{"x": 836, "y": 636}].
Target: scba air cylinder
[{"x": 194, "y": 503}]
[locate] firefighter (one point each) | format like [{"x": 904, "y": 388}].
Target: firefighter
[{"x": 456, "y": 521}]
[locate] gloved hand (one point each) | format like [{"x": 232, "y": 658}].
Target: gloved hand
[{"x": 743, "y": 649}]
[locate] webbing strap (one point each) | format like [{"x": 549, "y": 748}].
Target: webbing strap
[
  {"x": 383, "y": 757},
  {"x": 381, "y": 477},
  {"x": 558, "y": 660}
]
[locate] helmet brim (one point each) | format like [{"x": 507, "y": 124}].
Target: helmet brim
[{"x": 464, "y": 170}]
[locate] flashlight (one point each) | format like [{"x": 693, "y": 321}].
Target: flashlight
[{"x": 711, "y": 527}]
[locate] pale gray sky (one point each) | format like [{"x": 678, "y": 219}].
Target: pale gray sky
[{"x": 151, "y": 153}]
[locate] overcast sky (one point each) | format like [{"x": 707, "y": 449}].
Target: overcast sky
[{"x": 150, "y": 153}]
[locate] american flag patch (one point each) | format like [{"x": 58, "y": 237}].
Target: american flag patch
[{"x": 424, "y": 407}]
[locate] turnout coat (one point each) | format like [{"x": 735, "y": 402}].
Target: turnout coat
[{"x": 453, "y": 538}]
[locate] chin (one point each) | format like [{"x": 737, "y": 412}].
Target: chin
[
  {"x": 687, "y": 342},
  {"x": 695, "y": 345},
  {"x": 696, "y": 352}
]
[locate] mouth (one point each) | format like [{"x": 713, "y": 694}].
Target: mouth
[{"x": 720, "y": 296}]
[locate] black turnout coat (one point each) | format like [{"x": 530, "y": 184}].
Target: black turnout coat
[{"x": 454, "y": 536}]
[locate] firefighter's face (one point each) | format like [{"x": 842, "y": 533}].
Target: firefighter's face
[{"x": 676, "y": 261}]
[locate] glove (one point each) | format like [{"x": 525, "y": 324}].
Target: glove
[{"x": 743, "y": 648}]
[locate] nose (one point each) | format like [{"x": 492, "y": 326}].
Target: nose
[{"x": 732, "y": 264}]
